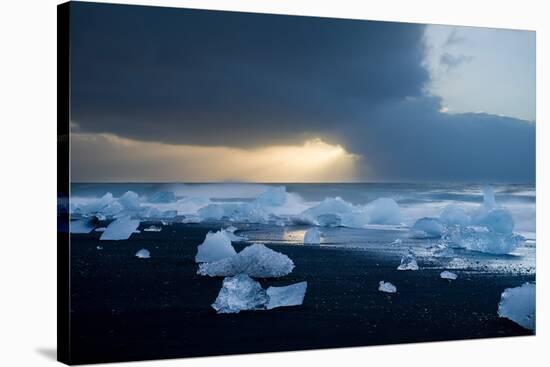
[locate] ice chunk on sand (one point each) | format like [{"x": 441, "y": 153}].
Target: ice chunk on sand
[
  {"x": 153, "y": 229},
  {"x": 256, "y": 260},
  {"x": 237, "y": 212},
  {"x": 216, "y": 246},
  {"x": 275, "y": 196},
  {"x": 120, "y": 229},
  {"x": 85, "y": 225},
  {"x": 499, "y": 220},
  {"x": 162, "y": 197},
  {"x": 130, "y": 200},
  {"x": 518, "y": 304},
  {"x": 98, "y": 205},
  {"x": 454, "y": 215},
  {"x": 386, "y": 287},
  {"x": 485, "y": 240},
  {"x": 312, "y": 237},
  {"x": 143, "y": 254},
  {"x": 428, "y": 228},
  {"x": 291, "y": 295},
  {"x": 239, "y": 293},
  {"x": 408, "y": 262},
  {"x": 383, "y": 211},
  {"x": 448, "y": 275}
]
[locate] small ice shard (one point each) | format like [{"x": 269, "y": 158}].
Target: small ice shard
[
  {"x": 291, "y": 295},
  {"x": 85, "y": 225},
  {"x": 130, "y": 200},
  {"x": 153, "y": 229},
  {"x": 275, "y": 196},
  {"x": 256, "y": 260},
  {"x": 143, "y": 254},
  {"x": 99, "y": 247},
  {"x": 408, "y": 262},
  {"x": 120, "y": 229},
  {"x": 312, "y": 237},
  {"x": 162, "y": 197},
  {"x": 100, "y": 229},
  {"x": 518, "y": 304},
  {"x": 240, "y": 293},
  {"x": 448, "y": 275},
  {"x": 386, "y": 287},
  {"x": 454, "y": 215},
  {"x": 428, "y": 228},
  {"x": 499, "y": 220},
  {"x": 216, "y": 246}
]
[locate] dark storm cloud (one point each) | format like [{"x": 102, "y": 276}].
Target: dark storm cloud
[{"x": 246, "y": 80}]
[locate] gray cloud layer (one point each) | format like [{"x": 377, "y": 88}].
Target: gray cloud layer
[{"x": 247, "y": 80}]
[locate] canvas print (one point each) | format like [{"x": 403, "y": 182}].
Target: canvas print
[{"x": 240, "y": 183}]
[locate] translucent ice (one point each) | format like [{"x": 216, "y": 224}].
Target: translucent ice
[
  {"x": 518, "y": 304},
  {"x": 240, "y": 293},
  {"x": 448, "y": 275},
  {"x": 408, "y": 262},
  {"x": 329, "y": 206},
  {"x": 130, "y": 200},
  {"x": 488, "y": 197},
  {"x": 383, "y": 211},
  {"x": 499, "y": 220},
  {"x": 99, "y": 204},
  {"x": 237, "y": 212},
  {"x": 386, "y": 287},
  {"x": 216, "y": 246},
  {"x": 120, "y": 229},
  {"x": 312, "y": 237},
  {"x": 329, "y": 220},
  {"x": 163, "y": 197},
  {"x": 230, "y": 233},
  {"x": 485, "y": 240},
  {"x": 153, "y": 229},
  {"x": 255, "y": 260},
  {"x": 100, "y": 229},
  {"x": 292, "y": 295},
  {"x": 454, "y": 215},
  {"x": 275, "y": 196},
  {"x": 428, "y": 228},
  {"x": 85, "y": 225},
  {"x": 143, "y": 254}
]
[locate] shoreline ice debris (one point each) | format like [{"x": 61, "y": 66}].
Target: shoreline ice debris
[
  {"x": 153, "y": 229},
  {"x": 230, "y": 233},
  {"x": 80, "y": 226},
  {"x": 519, "y": 305},
  {"x": 120, "y": 229},
  {"x": 428, "y": 228},
  {"x": 290, "y": 295},
  {"x": 241, "y": 293},
  {"x": 312, "y": 237},
  {"x": 256, "y": 260},
  {"x": 335, "y": 211},
  {"x": 448, "y": 275},
  {"x": 386, "y": 287},
  {"x": 454, "y": 215},
  {"x": 216, "y": 246},
  {"x": 143, "y": 254},
  {"x": 130, "y": 200},
  {"x": 408, "y": 262}
]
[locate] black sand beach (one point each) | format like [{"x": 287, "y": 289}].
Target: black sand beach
[{"x": 124, "y": 308}]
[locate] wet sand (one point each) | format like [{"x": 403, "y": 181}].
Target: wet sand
[{"x": 124, "y": 308}]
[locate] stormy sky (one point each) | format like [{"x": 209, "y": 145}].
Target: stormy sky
[{"x": 161, "y": 94}]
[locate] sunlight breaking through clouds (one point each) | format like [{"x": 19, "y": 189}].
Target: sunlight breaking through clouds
[{"x": 103, "y": 157}]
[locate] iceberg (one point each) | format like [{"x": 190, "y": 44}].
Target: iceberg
[
  {"x": 448, "y": 275},
  {"x": 291, "y": 295},
  {"x": 454, "y": 215},
  {"x": 482, "y": 239},
  {"x": 130, "y": 200},
  {"x": 386, "y": 287},
  {"x": 428, "y": 228},
  {"x": 312, "y": 237},
  {"x": 153, "y": 229},
  {"x": 275, "y": 196},
  {"x": 216, "y": 246},
  {"x": 85, "y": 225},
  {"x": 519, "y": 305},
  {"x": 408, "y": 262},
  {"x": 239, "y": 293},
  {"x": 120, "y": 229},
  {"x": 162, "y": 197},
  {"x": 143, "y": 254},
  {"x": 256, "y": 260}
]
